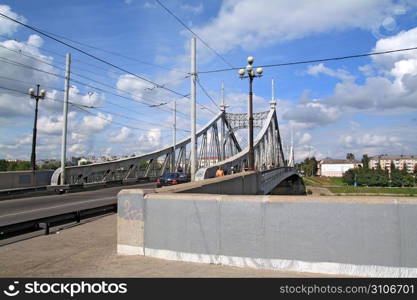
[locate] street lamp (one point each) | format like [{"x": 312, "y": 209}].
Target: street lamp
[
  {"x": 248, "y": 72},
  {"x": 39, "y": 95}
]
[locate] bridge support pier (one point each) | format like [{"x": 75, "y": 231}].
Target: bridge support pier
[{"x": 291, "y": 186}]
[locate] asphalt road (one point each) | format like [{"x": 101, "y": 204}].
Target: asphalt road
[{"x": 24, "y": 209}]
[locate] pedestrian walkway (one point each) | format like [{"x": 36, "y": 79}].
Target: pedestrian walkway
[{"x": 89, "y": 250}]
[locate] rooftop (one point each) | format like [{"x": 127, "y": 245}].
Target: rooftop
[
  {"x": 392, "y": 157},
  {"x": 338, "y": 161}
]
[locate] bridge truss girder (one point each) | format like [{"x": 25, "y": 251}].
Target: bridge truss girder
[{"x": 214, "y": 148}]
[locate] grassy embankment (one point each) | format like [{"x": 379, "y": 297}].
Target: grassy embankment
[{"x": 337, "y": 187}]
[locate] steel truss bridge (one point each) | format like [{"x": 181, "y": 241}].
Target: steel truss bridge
[{"x": 217, "y": 146}]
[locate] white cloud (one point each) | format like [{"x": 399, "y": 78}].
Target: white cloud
[
  {"x": 193, "y": 9},
  {"x": 248, "y": 23},
  {"x": 312, "y": 114},
  {"x": 8, "y": 27},
  {"x": 404, "y": 39},
  {"x": 133, "y": 85},
  {"x": 322, "y": 69},
  {"x": 91, "y": 124},
  {"x": 17, "y": 78},
  {"x": 12, "y": 50},
  {"x": 304, "y": 138},
  {"x": 78, "y": 149},
  {"x": 52, "y": 125},
  {"x": 123, "y": 135},
  {"x": 238, "y": 102},
  {"x": 390, "y": 83},
  {"x": 369, "y": 140},
  {"x": 89, "y": 99},
  {"x": 150, "y": 141}
]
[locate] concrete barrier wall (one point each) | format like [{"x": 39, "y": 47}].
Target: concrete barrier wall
[
  {"x": 245, "y": 183},
  {"x": 345, "y": 236},
  {"x": 278, "y": 181},
  {"x": 21, "y": 179}
]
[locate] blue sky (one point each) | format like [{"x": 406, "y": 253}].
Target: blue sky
[{"x": 365, "y": 105}]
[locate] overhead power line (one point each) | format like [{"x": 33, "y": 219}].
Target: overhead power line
[
  {"x": 84, "y": 107},
  {"x": 48, "y": 98},
  {"x": 74, "y": 73},
  {"x": 140, "y": 120},
  {"x": 15, "y": 63},
  {"x": 32, "y": 83},
  {"x": 115, "y": 122},
  {"x": 207, "y": 94},
  {"x": 89, "y": 54},
  {"x": 195, "y": 34},
  {"x": 103, "y": 50},
  {"x": 61, "y": 55},
  {"x": 113, "y": 53},
  {"x": 315, "y": 60}
]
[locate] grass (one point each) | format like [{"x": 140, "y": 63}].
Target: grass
[
  {"x": 336, "y": 186},
  {"x": 323, "y": 181},
  {"x": 409, "y": 191}
]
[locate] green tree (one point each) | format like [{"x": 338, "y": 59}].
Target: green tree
[
  {"x": 365, "y": 161},
  {"x": 309, "y": 166},
  {"x": 364, "y": 176},
  {"x": 19, "y": 165},
  {"x": 380, "y": 177},
  {"x": 350, "y": 156},
  {"x": 50, "y": 166},
  {"x": 396, "y": 177},
  {"x": 3, "y": 165},
  {"x": 349, "y": 176}
]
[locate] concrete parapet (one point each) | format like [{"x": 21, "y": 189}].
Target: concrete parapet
[
  {"x": 343, "y": 235},
  {"x": 130, "y": 221},
  {"x": 23, "y": 179},
  {"x": 246, "y": 183}
]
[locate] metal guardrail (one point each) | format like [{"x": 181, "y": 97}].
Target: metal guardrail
[
  {"x": 22, "y": 190},
  {"x": 7, "y": 194},
  {"x": 46, "y": 223}
]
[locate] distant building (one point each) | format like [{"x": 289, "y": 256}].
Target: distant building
[
  {"x": 82, "y": 161},
  {"x": 400, "y": 162},
  {"x": 336, "y": 167}
]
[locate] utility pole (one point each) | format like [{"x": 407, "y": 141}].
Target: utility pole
[
  {"x": 39, "y": 95},
  {"x": 65, "y": 118},
  {"x": 193, "y": 155},
  {"x": 223, "y": 107},
  {"x": 291, "y": 160},
  {"x": 174, "y": 134}
]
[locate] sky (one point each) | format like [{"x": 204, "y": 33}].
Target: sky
[{"x": 365, "y": 105}]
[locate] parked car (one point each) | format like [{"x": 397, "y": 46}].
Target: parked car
[{"x": 172, "y": 178}]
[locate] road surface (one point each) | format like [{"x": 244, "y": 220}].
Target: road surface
[{"x": 23, "y": 209}]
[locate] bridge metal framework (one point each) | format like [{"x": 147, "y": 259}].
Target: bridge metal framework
[{"x": 217, "y": 146}]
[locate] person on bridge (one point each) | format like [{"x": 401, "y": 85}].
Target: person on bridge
[{"x": 219, "y": 172}]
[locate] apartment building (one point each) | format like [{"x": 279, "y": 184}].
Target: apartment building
[{"x": 400, "y": 162}]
